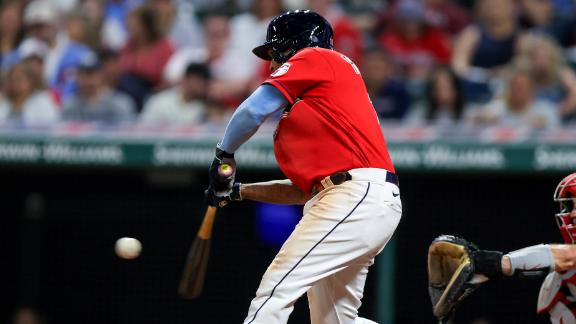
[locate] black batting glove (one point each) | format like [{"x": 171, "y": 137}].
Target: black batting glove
[
  {"x": 222, "y": 198},
  {"x": 219, "y": 179}
]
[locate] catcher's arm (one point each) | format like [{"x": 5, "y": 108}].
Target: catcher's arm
[
  {"x": 282, "y": 192},
  {"x": 457, "y": 267},
  {"x": 564, "y": 256},
  {"x": 543, "y": 257}
]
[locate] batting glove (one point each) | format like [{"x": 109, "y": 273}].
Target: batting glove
[
  {"x": 222, "y": 198},
  {"x": 222, "y": 179}
]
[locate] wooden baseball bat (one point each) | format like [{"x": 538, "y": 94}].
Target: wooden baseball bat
[{"x": 192, "y": 280}]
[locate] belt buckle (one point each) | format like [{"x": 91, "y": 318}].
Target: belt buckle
[{"x": 330, "y": 181}]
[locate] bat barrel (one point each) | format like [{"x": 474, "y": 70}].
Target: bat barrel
[{"x": 194, "y": 274}]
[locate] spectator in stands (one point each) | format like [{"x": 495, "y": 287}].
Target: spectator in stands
[
  {"x": 76, "y": 27},
  {"x": 42, "y": 22},
  {"x": 93, "y": 12},
  {"x": 33, "y": 52},
  {"x": 238, "y": 66},
  {"x": 347, "y": 38},
  {"x": 518, "y": 107},
  {"x": 540, "y": 16},
  {"x": 216, "y": 27},
  {"x": 95, "y": 101},
  {"x": 444, "y": 102},
  {"x": 553, "y": 79},
  {"x": 25, "y": 100},
  {"x": 178, "y": 21},
  {"x": 203, "y": 6},
  {"x": 144, "y": 57},
  {"x": 483, "y": 49},
  {"x": 115, "y": 16},
  {"x": 446, "y": 15},
  {"x": 11, "y": 29},
  {"x": 184, "y": 104},
  {"x": 414, "y": 44},
  {"x": 111, "y": 70},
  {"x": 388, "y": 94},
  {"x": 64, "y": 7}
]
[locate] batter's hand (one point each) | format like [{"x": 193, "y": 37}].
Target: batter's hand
[
  {"x": 222, "y": 171},
  {"x": 222, "y": 198}
]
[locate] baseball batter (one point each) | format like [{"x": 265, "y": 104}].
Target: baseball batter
[
  {"x": 330, "y": 146},
  {"x": 558, "y": 292}
]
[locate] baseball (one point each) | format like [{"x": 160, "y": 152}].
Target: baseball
[
  {"x": 225, "y": 170},
  {"x": 128, "y": 248}
]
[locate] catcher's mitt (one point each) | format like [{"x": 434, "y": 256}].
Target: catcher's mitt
[{"x": 451, "y": 274}]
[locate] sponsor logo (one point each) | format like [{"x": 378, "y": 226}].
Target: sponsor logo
[
  {"x": 281, "y": 70},
  {"x": 55, "y": 152},
  {"x": 554, "y": 158},
  {"x": 448, "y": 157}
]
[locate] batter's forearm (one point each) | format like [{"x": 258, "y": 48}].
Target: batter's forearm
[{"x": 282, "y": 192}]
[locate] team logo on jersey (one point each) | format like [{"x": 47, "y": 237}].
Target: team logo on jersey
[{"x": 281, "y": 70}]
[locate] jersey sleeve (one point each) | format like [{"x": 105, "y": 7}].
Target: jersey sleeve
[{"x": 307, "y": 69}]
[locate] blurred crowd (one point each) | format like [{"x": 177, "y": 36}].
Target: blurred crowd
[{"x": 443, "y": 63}]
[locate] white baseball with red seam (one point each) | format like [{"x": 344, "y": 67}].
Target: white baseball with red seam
[{"x": 128, "y": 248}]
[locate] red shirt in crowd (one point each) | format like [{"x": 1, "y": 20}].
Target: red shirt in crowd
[
  {"x": 331, "y": 125},
  {"x": 446, "y": 16},
  {"x": 433, "y": 44},
  {"x": 347, "y": 39},
  {"x": 147, "y": 63}
]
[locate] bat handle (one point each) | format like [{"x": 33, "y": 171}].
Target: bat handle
[{"x": 205, "y": 231}]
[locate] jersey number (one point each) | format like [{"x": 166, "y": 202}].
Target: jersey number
[{"x": 349, "y": 61}]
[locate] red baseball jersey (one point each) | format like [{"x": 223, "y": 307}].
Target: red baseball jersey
[{"x": 331, "y": 125}]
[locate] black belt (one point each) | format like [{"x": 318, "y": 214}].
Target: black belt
[{"x": 341, "y": 177}]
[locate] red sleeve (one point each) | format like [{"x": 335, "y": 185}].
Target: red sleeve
[{"x": 307, "y": 69}]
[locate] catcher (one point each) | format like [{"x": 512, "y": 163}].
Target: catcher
[{"x": 457, "y": 267}]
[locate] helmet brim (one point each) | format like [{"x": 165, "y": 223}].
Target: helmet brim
[{"x": 262, "y": 52}]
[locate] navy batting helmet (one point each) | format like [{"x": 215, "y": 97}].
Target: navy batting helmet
[{"x": 293, "y": 31}]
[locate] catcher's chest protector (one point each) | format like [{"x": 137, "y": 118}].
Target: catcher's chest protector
[{"x": 558, "y": 296}]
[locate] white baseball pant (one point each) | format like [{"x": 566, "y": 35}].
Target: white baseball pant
[{"x": 328, "y": 254}]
